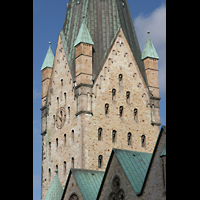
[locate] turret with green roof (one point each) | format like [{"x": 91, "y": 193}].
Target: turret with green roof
[{"x": 55, "y": 190}]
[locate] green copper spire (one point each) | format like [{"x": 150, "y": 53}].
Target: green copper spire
[
  {"x": 149, "y": 50},
  {"x": 48, "y": 61},
  {"x": 55, "y": 190},
  {"x": 83, "y": 35}
]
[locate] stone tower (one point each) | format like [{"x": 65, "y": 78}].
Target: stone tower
[{"x": 96, "y": 91}]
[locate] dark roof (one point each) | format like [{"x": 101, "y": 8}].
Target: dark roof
[{"x": 103, "y": 19}]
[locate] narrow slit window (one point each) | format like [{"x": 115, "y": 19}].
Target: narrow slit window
[
  {"x": 72, "y": 135},
  {"x": 72, "y": 162},
  {"x": 136, "y": 114},
  {"x": 49, "y": 174},
  {"x": 143, "y": 140},
  {"x": 65, "y": 167},
  {"x": 129, "y": 135},
  {"x": 113, "y": 94},
  {"x": 106, "y": 108},
  {"x": 121, "y": 111},
  {"x": 114, "y": 134},
  {"x": 100, "y": 134},
  {"x": 56, "y": 142},
  {"x": 65, "y": 138},
  {"x": 100, "y": 158}
]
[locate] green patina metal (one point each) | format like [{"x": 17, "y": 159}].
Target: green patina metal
[
  {"x": 149, "y": 50},
  {"x": 83, "y": 35},
  {"x": 48, "y": 61},
  {"x": 55, "y": 190},
  {"x": 135, "y": 165},
  {"x": 103, "y": 19}
]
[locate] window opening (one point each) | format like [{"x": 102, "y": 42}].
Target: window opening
[
  {"x": 113, "y": 94},
  {"x": 106, "y": 108},
  {"x": 143, "y": 140},
  {"x": 100, "y": 161},
  {"x": 121, "y": 111},
  {"x": 114, "y": 136},
  {"x": 129, "y": 138},
  {"x": 99, "y": 133}
]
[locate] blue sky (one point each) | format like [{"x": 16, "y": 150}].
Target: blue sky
[{"x": 48, "y": 19}]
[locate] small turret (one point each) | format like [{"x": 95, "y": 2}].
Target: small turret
[
  {"x": 83, "y": 65},
  {"x": 46, "y": 74},
  {"x": 150, "y": 58}
]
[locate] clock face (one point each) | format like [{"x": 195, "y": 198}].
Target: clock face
[
  {"x": 74, "y": 197},
  {"x": 60, "y": 117}
]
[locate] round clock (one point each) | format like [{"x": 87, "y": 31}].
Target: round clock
[{"x": 60, "y": 117}]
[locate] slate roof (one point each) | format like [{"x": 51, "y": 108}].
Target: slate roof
[
  {"x": 49, "y": 58},
  {"x": 88, "y": 182},
  {"x": 149, "y": 50},
  {"x": 135, "y": 165},
  {"x": 55, "y": 190},
  {"x": 103, "y": 19}
]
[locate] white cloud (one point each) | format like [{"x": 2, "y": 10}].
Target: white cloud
[{"x": 156, "y": 24}]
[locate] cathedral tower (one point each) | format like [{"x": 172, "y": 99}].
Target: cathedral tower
[{"x": 96, "y": 91}]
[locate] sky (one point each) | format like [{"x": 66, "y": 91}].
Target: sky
[{"x": 48, "y": 19}]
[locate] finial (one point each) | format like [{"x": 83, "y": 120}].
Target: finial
[
  {"x": 56, "y": 171},
  {"x": 148, "y": 32},
  {"x": 49, "y": 42}
]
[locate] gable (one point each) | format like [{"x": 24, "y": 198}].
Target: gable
[
  {"x": 84, "y": 183},
  {"x": 71, "y": 188},
  {"x": 61, "y": 76},
  {"x": 108, "y": 186},
  {"x": 102, "y": 29},
  {"x": 154, "y": 176}
]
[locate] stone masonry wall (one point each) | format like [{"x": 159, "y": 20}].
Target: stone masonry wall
[{"x": 80, "y": 133}]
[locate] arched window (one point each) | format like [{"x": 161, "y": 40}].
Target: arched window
[
  {"x": 121, "y": 111},
  {"x": 114, "y": 134},
  {"x": 143, "y": 140},
  {"x": 136, "y": 114},
  {"x": 100, "y": 133},
  {"x": 73, "y": 197},
  {"x": 120, "y": 77},
  {"x": 121, "y": 195},
  {"x": 100, "y": 158},
  {"x": 113, "y": 94},
  {"x": 72, "y": 165},
  {"x": 106, "y": 108},
  {"x": 49, "y": 175},
  {"x": 128, "y": 96},
  {"x": 129, "y": 138}
]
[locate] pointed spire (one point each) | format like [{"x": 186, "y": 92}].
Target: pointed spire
[
  {"x": 83, "y": 35},
  {"x": 48, "y": 61},
  {"x": 149, "y": 50},
  {"x": 55, "y": 190}
]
